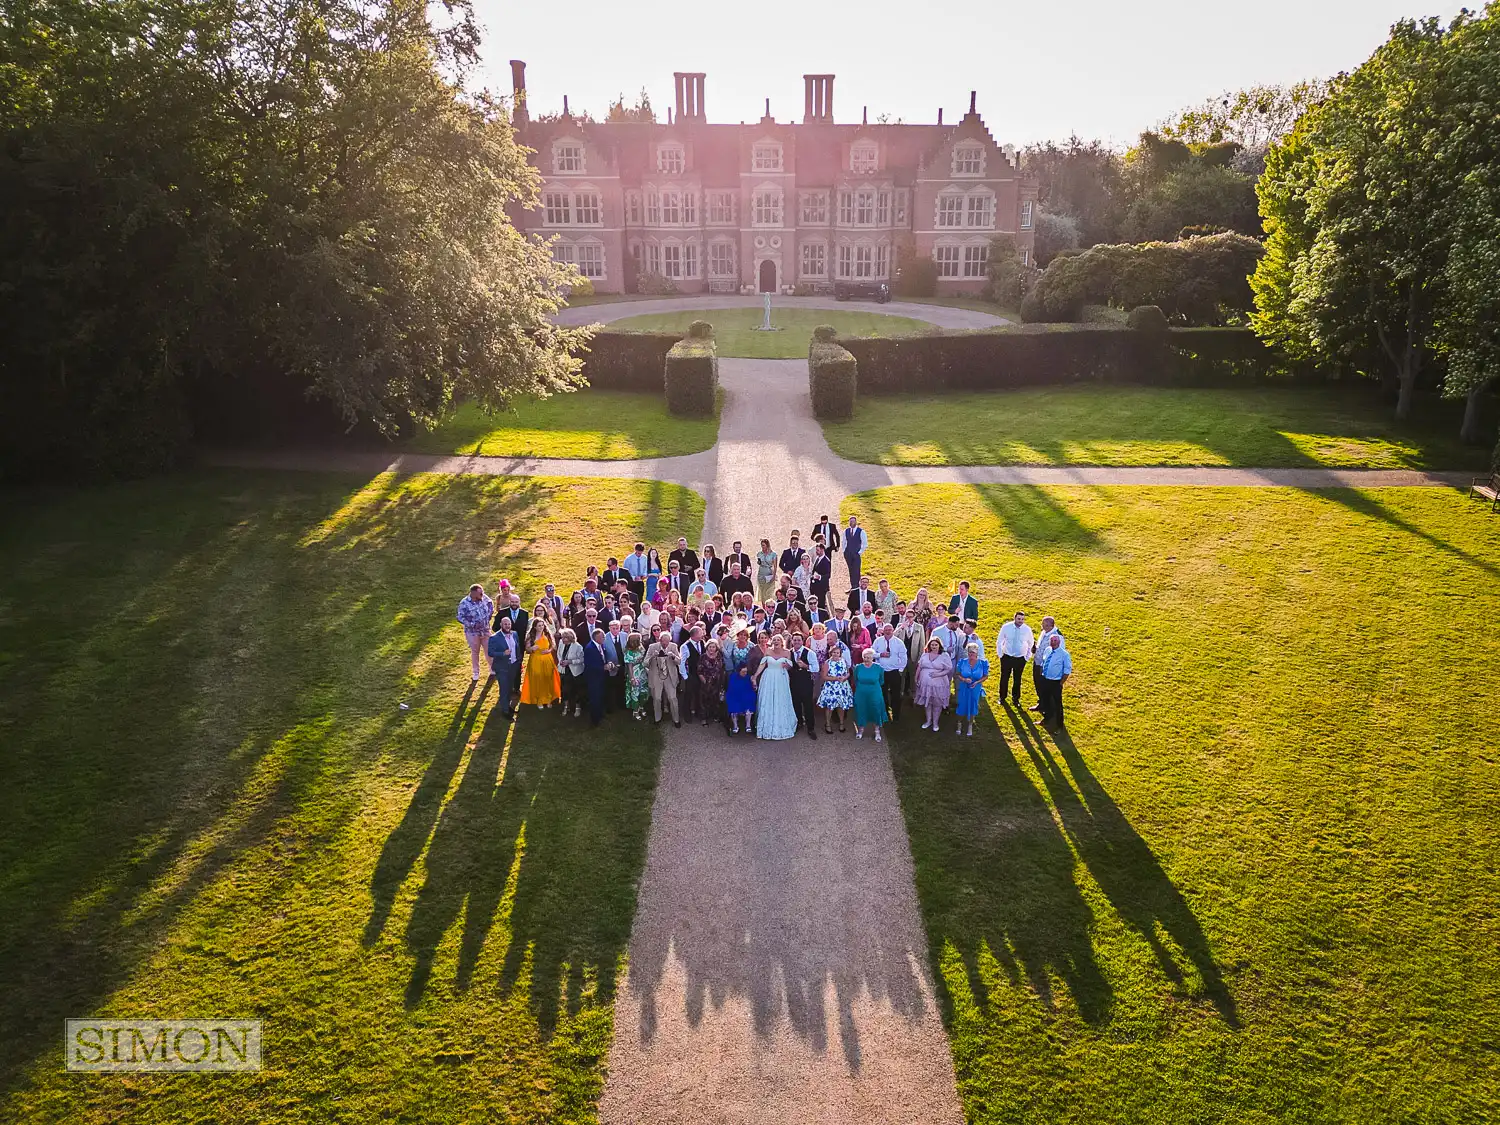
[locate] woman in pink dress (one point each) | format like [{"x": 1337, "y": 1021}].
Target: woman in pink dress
[{"x": 934, "y": 684}]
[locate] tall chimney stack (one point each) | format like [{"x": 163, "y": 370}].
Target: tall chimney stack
[
  {"x": 518, "y": 114},
  {"x": 940, "y": 115},
  {"x": 817, "y": 98},
  {"x": 689, "y": 96}
]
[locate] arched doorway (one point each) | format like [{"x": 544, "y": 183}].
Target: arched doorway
[{"x": 767, "y": 276}]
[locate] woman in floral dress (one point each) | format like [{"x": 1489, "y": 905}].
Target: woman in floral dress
[
  {"x": 637, "y": 691},
  {"x": 836, "y": 694}
]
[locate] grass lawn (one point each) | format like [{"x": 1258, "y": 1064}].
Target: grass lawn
[
  {"x": 213, "y": 804},
  {"x": 734, "y": 328},
  {"x": 1256, "y": 880},
  {"x": 1095, "y": 425},
  {"x": 592, "y": 425}
]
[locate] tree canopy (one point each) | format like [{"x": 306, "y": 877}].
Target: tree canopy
[
  {"x": 208, "y": 205},
  {"x": 1378, "y": 211}
]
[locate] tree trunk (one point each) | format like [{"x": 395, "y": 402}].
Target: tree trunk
[
  {"x": 1470, "y": 432},
  {"x": 1407, "y": 393}
]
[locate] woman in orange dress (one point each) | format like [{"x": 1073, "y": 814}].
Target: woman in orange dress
[{"x": 541, "y": 684}]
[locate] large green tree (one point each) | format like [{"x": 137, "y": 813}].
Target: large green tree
[
  {"x": 1366, "y": 199},
  {"x": 205, "y": 204}
]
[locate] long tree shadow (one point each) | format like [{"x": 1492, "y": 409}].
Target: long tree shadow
[
  {"x": 133, "y": 787},
  {"x": 1124, "y": 866},
  {"x": 403, "y": 847},
  {"x": 544, "y": 837},
  {"x": 995, "y": 873},
  {"x": 1366, "y": 504}
]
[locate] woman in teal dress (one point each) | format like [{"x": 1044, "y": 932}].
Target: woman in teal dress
[
  {"x": 970, "y": 673},
  {"x": 869, "y": 698}
]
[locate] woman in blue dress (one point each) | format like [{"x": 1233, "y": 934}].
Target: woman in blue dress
[
  {"x": 775, "y": 717},
  {"x": 869, "y": 694},
  {"x": 971, "y": 673},
  {"x": 739, "y": 695},
  {"x": 836, "y": 694}
]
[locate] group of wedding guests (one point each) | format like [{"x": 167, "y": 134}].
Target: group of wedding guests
[{"x": 754, "y": 642}]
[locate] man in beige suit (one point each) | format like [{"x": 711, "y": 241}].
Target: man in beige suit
[{"x": 663, "y": 673}]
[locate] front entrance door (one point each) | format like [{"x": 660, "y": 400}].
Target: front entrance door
[{"x": 768, "y": 276}]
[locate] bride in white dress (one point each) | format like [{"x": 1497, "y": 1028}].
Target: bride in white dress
[{"x": 774, "y": 715}]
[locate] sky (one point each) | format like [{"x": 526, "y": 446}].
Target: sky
[{"x": 1042, "y": 70}]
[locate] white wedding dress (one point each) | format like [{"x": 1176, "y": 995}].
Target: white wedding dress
[{"x": 774, "y": 715}]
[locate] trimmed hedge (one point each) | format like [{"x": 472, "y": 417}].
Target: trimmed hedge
[
  {"x": 1034, "y": 355},
  {"x": 627, "y": 361},
  {"x": 832, "y": 376},
  {"x": 692, "y": 376}
]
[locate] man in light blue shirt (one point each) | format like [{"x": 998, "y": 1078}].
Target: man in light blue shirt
[
  {"x": 635, "y": 566},
  {"x": 1057, "y": 666}
]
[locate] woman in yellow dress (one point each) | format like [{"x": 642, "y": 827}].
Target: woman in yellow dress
[{"x": 541, "y": 684}]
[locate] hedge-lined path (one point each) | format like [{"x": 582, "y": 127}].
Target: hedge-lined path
[{"x": 940, "y": 315}]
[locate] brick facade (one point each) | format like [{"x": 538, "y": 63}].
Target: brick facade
[{"x": 722, "y": 208}]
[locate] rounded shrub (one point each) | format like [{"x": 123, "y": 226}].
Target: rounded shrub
[
  {"x": 825, "y": 334},
  {"x": 700, "y": 330},
  {"x": 1148, "y": 318},
  {"x": 583, "y": 287}
]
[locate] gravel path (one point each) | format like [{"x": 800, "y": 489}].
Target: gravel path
[
  {"x": 941, "y": 315},
  {"x": 778, "y": 965}
]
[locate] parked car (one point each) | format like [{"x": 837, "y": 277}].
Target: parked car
[{"x": 845, "y": 289}]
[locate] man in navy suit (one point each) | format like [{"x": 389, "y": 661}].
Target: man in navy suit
[
  {"x": 595, "y": 672},
  {"x": 505, "y": 662}
]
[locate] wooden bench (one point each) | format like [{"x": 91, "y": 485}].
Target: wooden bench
[{"x": 1487, "y": 488}]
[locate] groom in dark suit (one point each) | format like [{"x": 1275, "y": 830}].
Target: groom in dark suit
[{"x": 804, "y": 664}]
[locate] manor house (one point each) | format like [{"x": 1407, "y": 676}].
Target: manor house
[{"x": 772, "y": 206}]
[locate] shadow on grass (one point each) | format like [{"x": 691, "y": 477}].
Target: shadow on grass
[
  {"x": 236, "y": 636},
  {"x": 1365, "y": 504},
  {"x": 995, "y": 875},
  {"x": 544, "y": 838},
  {"x": 1124, "y": 866},
  {"x": 1251, "y": 427},
  {"x": 1034, "y": 518}
]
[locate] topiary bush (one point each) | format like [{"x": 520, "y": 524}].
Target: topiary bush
[
  {"x": 825, "y": 334},
  {"x": 1147, "y": 318},
  {"x": 691, "y": 373},
  {"x": 700, "y": 330},
  {"x": 832, "y": 376}
]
